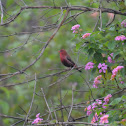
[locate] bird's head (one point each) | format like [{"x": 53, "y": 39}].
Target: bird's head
[{"x": 63, "y": 52}]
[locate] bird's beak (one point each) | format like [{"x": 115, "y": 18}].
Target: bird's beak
[{"x": 59, "y": 51}]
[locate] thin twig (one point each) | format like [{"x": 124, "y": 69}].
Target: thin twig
[
  {"x": 31, "y": 101},
  {"x": 110, "y": 22},
  {"x": 71, "y": 104},
  {"x": 1, "y": 12},
  {"x": 46, "y": 103},
  {"x": 63, "y": 123},
  {"x": 100, "y": 14}
]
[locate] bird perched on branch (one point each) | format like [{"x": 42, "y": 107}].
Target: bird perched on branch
[{"x": 66, "y": 60}]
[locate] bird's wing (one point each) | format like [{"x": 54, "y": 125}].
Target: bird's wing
[{"x": 70, "y": 61}]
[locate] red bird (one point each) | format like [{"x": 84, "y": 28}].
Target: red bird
[{"x": 66, "y": 60}]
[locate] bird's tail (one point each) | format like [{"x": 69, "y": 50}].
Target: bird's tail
[{"x": 77, "y": 68}]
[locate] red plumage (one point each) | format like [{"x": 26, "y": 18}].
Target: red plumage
[{"x": 66, "y": 60}]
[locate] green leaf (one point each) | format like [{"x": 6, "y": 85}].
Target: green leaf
[
  {"x": 98, "y": 111},
  {"x": 112, "y": 112},
  {"x": 115, "y": 54},
  {"x": 4, "y": 106},
  {"x": 111, "y": 45},
  {"x": 91, "y": 51},
  {"x": 116, "y": 101},
  {"x": 123, "y": 97},
  {"x": 98, "y": 57},
  {"x": 78, "y": 45}
]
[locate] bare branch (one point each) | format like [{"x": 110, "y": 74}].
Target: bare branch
[
  {"x": 1, "y": 12},
  {"x": 78, "y": 8},
  {"x": 46, "y": 103},
  {"x": 31, "y": 101}
]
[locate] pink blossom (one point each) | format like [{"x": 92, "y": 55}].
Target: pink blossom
[
  {"x": 95, "y": 118},
  {"x": 99, "y": 101},
  {"x": 37, "y": 120},
  {"x": 115, "y": 71},
  {"x": 37, "y": 116},
  {"x": 122, "y": 82},
  {"x": 120, "y": 38},
  {"x": 104, "y": 119},
  {"x": 96, "y": 81},
  {"x": 106, "y": 99},
  {"x": 86, "y": 35},
  {"x": 75, "y": 27},
  {"x": 89, "y": 107},
  {"x": 110, "y": 58},
  {"x": 102, "y": 68},
  {"x": 89, "y": 110},
  {"x": 123, "y": 24},
  {"x": 94, "y": 105},
  {"x": 112, "y": 76},
  {"x": 103, "y": 105},
  {"x": 89, "y": 65}
]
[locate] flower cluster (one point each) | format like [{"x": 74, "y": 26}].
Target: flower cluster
[
  {"x": 122, "y": 82},
  {"x": 95, "y": 118},
  {"x": 123, "y": 24},
  {"x": 37, "y": 120},
  {"x": 89, "y": 65},
  {"x": 120, "y": 38},
  {"x": 110, "y": 58},
  {"x": 102, "y": 118},
  {"x": 86, "y": 35},
  {"x": 115, "y": 71},
  {"x": 93, "y": 106},
  {"x": 75, "y": 28},
  {"x": 102, "y": 68},
  {"x": 97, "y": 81},
  {"x": 106, "y": 99}
]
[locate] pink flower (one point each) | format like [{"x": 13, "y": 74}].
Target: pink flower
[
  {"x": 75, "y": 27},
  {"x": 110, "y": 59},
  {"x": 89, "y": 65},
  {"x": 95, "y": 118},
  {"x": 89, "y": 110},
  {"x": 106, "y": 99},
  {"x": 86, "y": 35},
  {"x": 37, "y": 116},
  {"x": 122, "y": 82},
  {"x": 96, "y": 81},
  {"x": 115, "y": 71},
  {"x": 120, "y": 38},
  {"x": 103, "y": 106},
  {"x": 94, "y": 105},
  {"x": 102, "y": 67},
  {"x": 99, "y": 101},
  {"x": 37, "y": 120},
  {"x": 104, "y": 119},
  {"x": 123, "y": 24}
]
